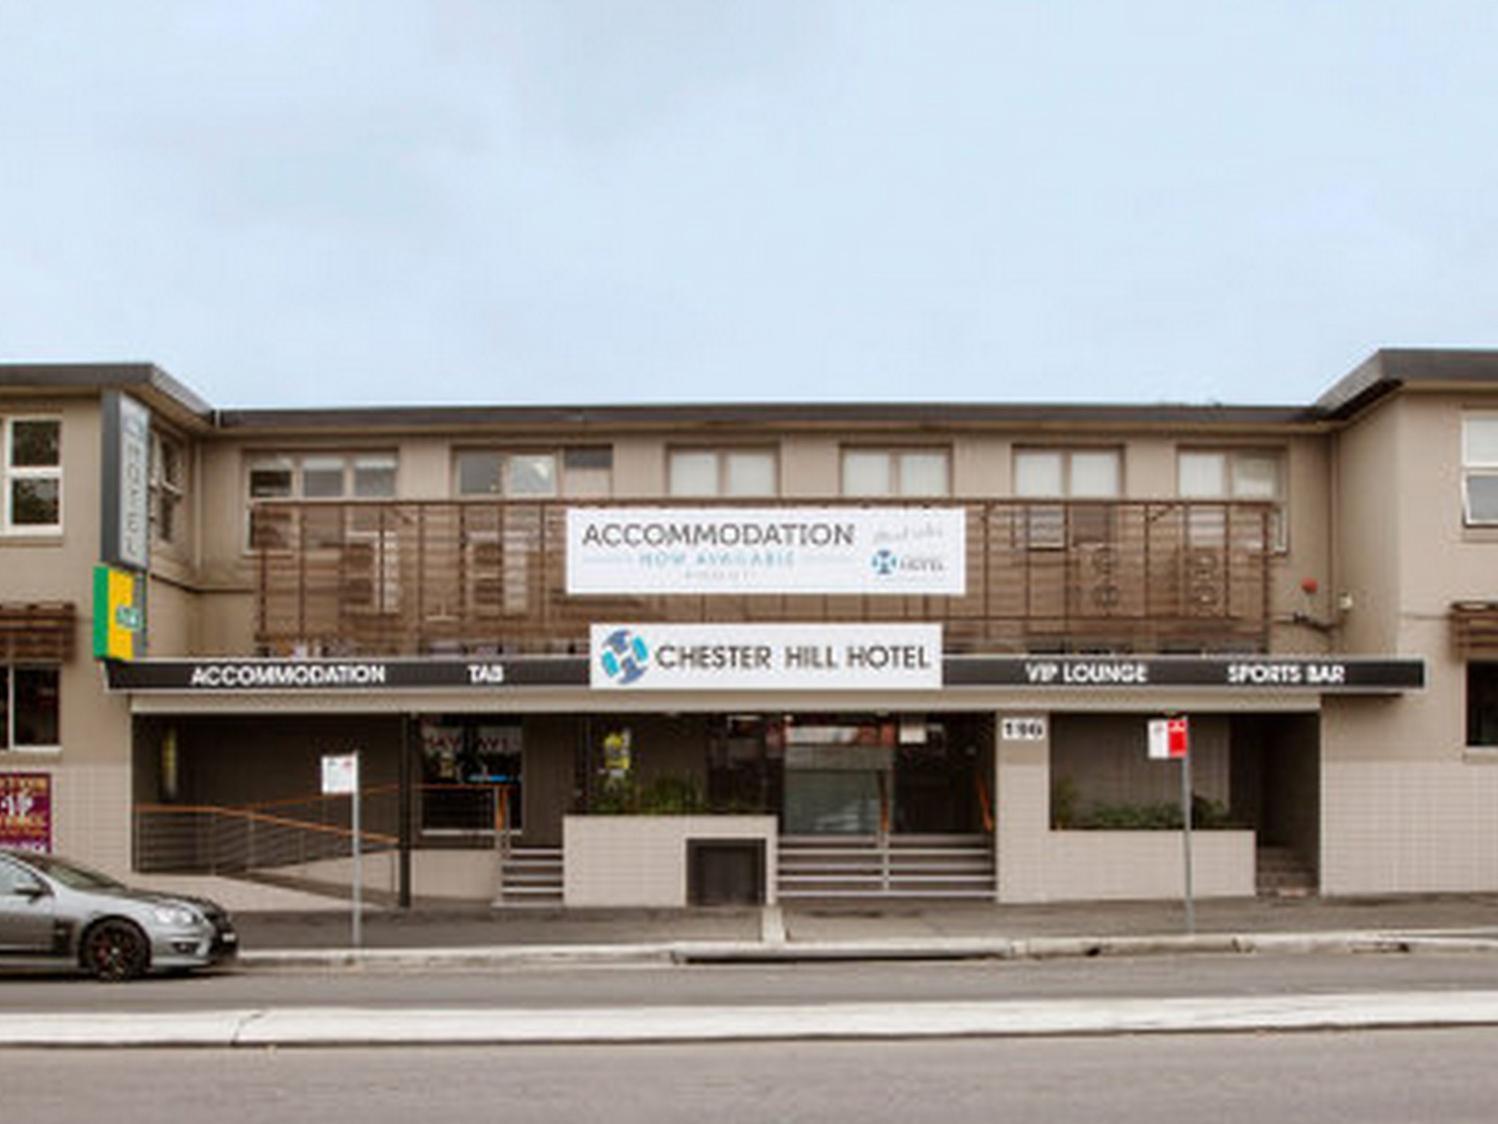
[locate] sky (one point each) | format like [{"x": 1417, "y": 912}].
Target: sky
[{"x": 610, "y": 201}]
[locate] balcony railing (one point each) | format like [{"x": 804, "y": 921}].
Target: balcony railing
[{"x": 390, "y": 578}]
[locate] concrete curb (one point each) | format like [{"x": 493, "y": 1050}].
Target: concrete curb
[
  {"x": 322, "y": 1026},
  {"x": 949, "y": 948}
]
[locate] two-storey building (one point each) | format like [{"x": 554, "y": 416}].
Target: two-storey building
[{"x": 652, "y": 654}]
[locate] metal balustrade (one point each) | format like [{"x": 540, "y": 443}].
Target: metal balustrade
[{"x": 272, "y": 836}]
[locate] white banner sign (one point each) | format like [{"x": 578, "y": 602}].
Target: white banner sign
[
  {"x": 798, "y": 657},
  {"x": 340, "y": 774},
  {"x": 643, "y": 550}
]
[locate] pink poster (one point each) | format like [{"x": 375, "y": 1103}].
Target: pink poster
[{"x": 26, "y": 811}]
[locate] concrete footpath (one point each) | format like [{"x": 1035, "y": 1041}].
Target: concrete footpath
[{"x": 435, "y": 936}]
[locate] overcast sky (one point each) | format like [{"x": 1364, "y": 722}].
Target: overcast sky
[{"x": 288, "y": 203}]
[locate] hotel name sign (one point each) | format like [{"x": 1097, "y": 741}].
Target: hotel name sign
[{"x": 898, "y": 661}]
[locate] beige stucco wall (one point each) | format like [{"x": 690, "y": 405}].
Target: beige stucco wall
[
  {"x": 642, "y": 860},
  {"x": 90, "y": 773},
  {"x": 1406, "y": 806},
  {"x": 1099, "y": 865}
]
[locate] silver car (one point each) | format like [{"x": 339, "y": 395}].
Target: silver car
[{"x": 56, "y": 912}]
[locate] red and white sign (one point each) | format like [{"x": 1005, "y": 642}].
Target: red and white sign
[{"x": 1169, "y": 738}]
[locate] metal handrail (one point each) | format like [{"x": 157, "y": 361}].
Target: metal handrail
[
  {"x": 250, "y": 816},
  {"x": 314, "y": 798}
]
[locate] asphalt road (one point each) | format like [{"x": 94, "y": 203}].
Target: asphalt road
[
  {"x": 1386, "y": 1077},
  {"x": 807, "y": 983}
]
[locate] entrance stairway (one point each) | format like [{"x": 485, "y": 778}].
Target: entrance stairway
[
  {"x": 1280, "y": 872},
  {"x": 531, "y": 876},
  {"x": 907, "y": 866}
]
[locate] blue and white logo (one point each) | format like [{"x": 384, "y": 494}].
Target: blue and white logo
[
  {"x": 625, "y": 657},
  {"x": 885, "y": 562}
]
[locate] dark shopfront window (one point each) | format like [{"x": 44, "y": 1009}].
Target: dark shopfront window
[
  {"x": 466, "y": 765},
  {"x": 848, "y": 774},
  {"x": 745, "y": 770},
  {"x": 1482, "y": 703},
  {"x": 29, "y": 708}
]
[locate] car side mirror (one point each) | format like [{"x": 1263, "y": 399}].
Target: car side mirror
[{"x": 31, "y": 890}]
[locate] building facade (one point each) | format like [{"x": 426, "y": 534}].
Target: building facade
[{"x": 649, "y": 655}]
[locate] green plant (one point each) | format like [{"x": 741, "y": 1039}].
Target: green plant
[
  {"x": 616, "y": 796},
  {"x": 673, "y": 796},
  {"x": 664, "y": 796},
  {"x": 1063, "y": 804},
  {"x": 1165, "y": 815}
]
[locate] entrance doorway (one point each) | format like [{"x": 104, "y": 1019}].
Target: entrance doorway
[{"x": 906, "y": 774}]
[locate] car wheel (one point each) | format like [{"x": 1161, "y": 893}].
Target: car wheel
[{"x": 115, "y": 950}]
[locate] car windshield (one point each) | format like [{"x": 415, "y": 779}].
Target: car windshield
[{"x": 72, "y": 875}]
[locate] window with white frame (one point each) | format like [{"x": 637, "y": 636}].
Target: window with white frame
[
  {"x": 321, "y": 476},
  {"x": 313, "y": 476},
  {"x": 1231, "y": 474},
  {"x": 1071, "y": 474},
  {"x": 897, "y": 472},
  {"x": 31, "y": 471},
  {"x": 584, "y": 472},
  {"x": 723, "y": 472},
  {"x": 168, "y": 487},
  {"x": 1480, "y": 470},
  {"x": 29, "y": 707}
]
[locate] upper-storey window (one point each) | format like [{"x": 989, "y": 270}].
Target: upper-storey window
[
  {"x": 322, "y": 476},
  {"x": 1072, "y": 474},
  {"x": 1480, "y": 469},
  {"x": 1068, "y": 473},
  {"x": 585, "y": 471},
  {"x": 1232, "y": 474},
  {"x": 314, "y": 476},
  {"x": 723, "y": 472},
  {"x": 31, "y": 471},
  {"x": 168, "y": 487},
  {"x": 897, "y": 472}
]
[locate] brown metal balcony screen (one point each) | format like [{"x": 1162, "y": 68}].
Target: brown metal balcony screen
[
  {"x": 488, "y": 577},
  {"x": 41, "y": 632},
  {"x": 1474, "y": 629}
]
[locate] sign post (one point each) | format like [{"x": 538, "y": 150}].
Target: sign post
[
  {"x": 1170, "y": 739},
  {"x": 340, "y": 776}
]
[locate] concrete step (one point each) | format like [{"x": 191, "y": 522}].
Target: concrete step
[
  {"x": 1281, "y": 872},
  {"x": 984, "y": 893}
]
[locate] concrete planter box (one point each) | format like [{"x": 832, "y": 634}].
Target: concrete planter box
[
  {"x": 1092, "y": 865},
  {"x": 642, "y": 860}
]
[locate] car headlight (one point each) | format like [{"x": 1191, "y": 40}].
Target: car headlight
[{"x": 176, "y": 915}]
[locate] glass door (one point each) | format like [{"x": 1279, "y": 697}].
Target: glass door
[{"x": 838, "y": 777}]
